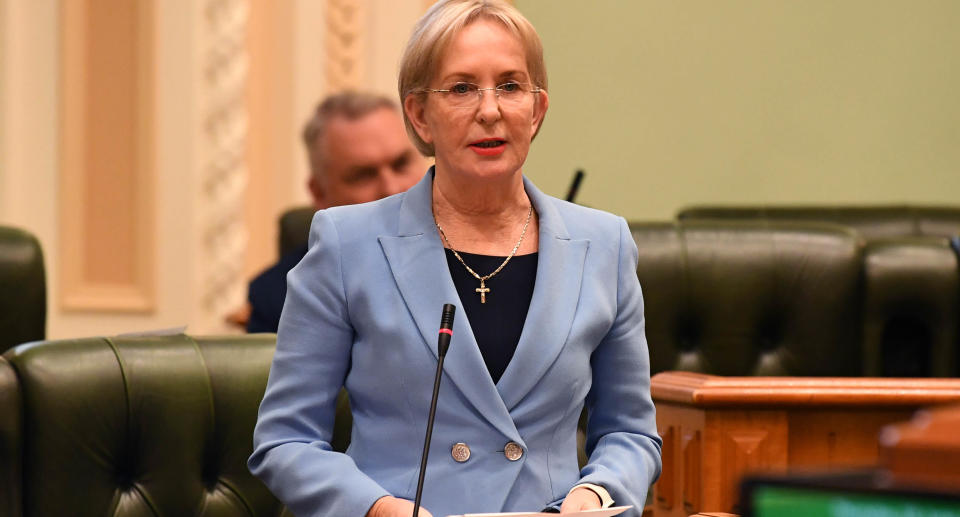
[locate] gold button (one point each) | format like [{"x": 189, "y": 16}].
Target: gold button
[
  {"x": 513, "y": 451},
  {"x": 460, "y": 452}
]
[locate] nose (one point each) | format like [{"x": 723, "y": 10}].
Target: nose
[{"x": 489, "y": 109}]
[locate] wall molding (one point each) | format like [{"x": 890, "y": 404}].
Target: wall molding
[
  {"x": 345, "y": 45},
  {"x": 107, "y": 162}
]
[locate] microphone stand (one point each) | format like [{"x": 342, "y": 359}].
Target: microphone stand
[{"x": 443, "y": 343}]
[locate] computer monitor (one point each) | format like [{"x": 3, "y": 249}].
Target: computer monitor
[{"x": 869, "y": 494}]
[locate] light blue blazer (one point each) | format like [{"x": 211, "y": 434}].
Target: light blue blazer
[{"x": 363, "y": 309}]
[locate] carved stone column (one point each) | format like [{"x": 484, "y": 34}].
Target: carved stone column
[{"x": 223, "y": 174}]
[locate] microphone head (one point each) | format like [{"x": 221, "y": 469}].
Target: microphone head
[{"x": 446, "y": 319}]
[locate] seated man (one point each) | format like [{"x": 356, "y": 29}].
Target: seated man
[{"x": 359, "y": 152}]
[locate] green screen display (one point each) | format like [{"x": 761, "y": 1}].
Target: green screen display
[{"x": 778, "y": 501}]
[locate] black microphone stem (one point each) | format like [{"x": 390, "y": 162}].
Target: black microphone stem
[
  {"x": 426, "y": 442},
  {"x": 443, "y": 343}
]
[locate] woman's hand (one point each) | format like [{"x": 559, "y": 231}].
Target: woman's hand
[
  {"x": 580, "y": 499},
  {"x": 389, "y": 506}
]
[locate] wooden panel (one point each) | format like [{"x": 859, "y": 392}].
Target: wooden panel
[
  {"x": 666, "y": 487},
  {"x": 678, "y": 425},
  {"x": 838, "y": 438},
  {"x": 741, "y": 425},
  {"x": 737, "y": 443},
  {"x": 692, "y": 453},
  {"x": 702, "y": 390},
  {"x": 925, "y": 450},
  {"x": 107, "y": 155}
]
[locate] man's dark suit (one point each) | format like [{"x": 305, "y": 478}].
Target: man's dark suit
[{"x": 267, "y": 292}]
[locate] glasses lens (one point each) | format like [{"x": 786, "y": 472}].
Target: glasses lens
[
  {"x": 513, "y": 92},
  {"x": 462, "y": 95},
  {"x": 468, "y": 95}
]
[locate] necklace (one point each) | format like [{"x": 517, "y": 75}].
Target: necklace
[{"x": 483, "y": 289}]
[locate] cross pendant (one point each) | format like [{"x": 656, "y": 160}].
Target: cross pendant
[{"x": 483, "y": 290}]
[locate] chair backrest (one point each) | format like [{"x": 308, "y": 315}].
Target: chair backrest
[
  {"x": 131, "y": 426},
  {"x": 751, "y": 298},
  {"x": 872, "y": 221},
  {"x": 295, "y": 228},
  {"x": 23, "y": 291},
  {"x": 911, "y": 307}
]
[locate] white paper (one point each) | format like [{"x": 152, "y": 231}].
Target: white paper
[{"x": 605, "y": 512}]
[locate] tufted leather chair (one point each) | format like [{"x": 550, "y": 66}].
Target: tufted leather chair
[
  {"x": 751, "y": 298},
  {"x": 137, "y": 426},
  {"x": 132, "y": 426},
  {"x": 911, "y": 313},
  {"x": 872, "y": 221},
  {"x": 23, "y": 291},
  {"x": 911, "y": 307}
]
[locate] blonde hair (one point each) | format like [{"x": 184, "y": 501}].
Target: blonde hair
[{"x": 433, "y": 33}]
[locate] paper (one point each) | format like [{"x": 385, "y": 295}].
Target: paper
[{"x": 605, "y": 512}]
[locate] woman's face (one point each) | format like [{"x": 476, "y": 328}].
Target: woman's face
[{"x": 491, "y": 137}]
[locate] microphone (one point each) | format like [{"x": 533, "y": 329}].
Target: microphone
[
  {"x": 443, "y": 343},
  {"x": 575, "y": 185}
]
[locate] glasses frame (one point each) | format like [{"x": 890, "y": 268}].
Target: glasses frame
[{"x": 497, "y": 90}]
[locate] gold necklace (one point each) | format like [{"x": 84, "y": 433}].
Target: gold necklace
[{"x": 483, "y": 289}]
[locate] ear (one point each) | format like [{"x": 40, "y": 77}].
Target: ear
[
  {"x": 540, "y": 110},
  {"x": 413, "y": 106},
  {"x": 317, "y": 192}
]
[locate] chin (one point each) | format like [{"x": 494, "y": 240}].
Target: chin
[{"x": 500, "y": 167}]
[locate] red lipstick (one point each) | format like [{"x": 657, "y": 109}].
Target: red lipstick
[{"x": 489, "y": 146}]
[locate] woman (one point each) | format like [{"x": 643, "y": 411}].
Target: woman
[{"x": 551, "y": 313}]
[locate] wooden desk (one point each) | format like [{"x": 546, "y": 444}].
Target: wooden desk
[
  {"x": 926, "y": 450},
  {"x": 715, "y": 429}
]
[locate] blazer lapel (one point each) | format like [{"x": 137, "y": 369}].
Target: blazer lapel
[
  {"x": 556, "y": 293},
  {"x": 419, "y": 267}
]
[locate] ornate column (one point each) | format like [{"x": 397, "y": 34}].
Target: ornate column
[
  {"x": 345, "y": 45},
  {"x": 223, "y": 173}
]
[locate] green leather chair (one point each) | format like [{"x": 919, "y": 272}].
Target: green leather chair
[
  {"x": 911, "y": 304},
  {"x": 136, "y": 426},
  {"x": 751, "y": 298},
  {"x": 872, "y": 221},
  {"x": 911, "y": 307},
  {"x": 133, "y": 426},
  {"x": 23, "y": 291}
]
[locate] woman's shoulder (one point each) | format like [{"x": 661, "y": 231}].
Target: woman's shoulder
[
  {"x": 364, "y": 219},
  {"x": 585, "y": 222}
]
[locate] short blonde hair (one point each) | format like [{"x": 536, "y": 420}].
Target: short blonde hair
[{"x": 433, "y": 33}]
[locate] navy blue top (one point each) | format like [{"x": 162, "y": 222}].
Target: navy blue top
[{"x": 498, "y": 323}]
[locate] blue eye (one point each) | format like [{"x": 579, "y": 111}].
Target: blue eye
[
  {"x": 462, "y": 88},
  {"x": 509, "y": 87}
]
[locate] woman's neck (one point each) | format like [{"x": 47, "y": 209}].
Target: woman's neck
[
  {"x": 485, "y": 199},
  {"x": 484, "y": 217}
]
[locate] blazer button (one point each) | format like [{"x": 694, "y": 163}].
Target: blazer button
[
  {"x": 460, "y": 452},
  {"x": 513, "y": 451}
]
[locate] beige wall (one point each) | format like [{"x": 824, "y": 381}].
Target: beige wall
[
  {"x": 667, "y": 104},
  {"x": 206, "y": 64},
  {"x": 664, "y": 103}
]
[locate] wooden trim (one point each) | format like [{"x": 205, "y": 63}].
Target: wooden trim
[
  {"x": 106, "y": 174},
  {"x": 702, "y": 390}
]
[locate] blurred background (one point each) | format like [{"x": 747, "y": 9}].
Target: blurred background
[{"x": 151, "y": 145}]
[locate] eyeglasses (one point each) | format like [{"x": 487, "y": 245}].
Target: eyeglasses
[{"x": 469, "y": 95}]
